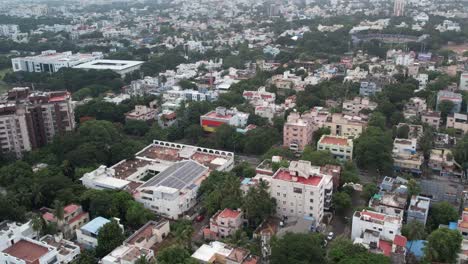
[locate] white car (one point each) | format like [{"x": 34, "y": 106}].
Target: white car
[{"x": 330, "y": 236}]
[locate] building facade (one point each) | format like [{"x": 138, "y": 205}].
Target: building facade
[
  {"x": 297, "y": 132},
  {"x": 340, "y": 147}
]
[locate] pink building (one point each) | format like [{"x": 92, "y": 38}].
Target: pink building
[
  {"x": 224, "y": 223},
  {"x": 73, "y": 218},
  {"x": 297, "y": 132}
]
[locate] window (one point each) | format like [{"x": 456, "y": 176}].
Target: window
[
  {"x": 297, "y": 190},
  {"x": 311, "y": 200},
  {"x": 278, "y": 194},
  {"x": 391, "y": 232}
]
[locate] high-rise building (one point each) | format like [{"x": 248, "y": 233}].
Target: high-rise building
[
  {"x": 31, "y": 119},
  {"x": 399, "y": 8}
]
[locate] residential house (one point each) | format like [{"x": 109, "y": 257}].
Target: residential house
[
  {"x": 340, "y": 147},
  {"x": 458, "y": 122},
  {"x": 73, "y": 218},
  {"x": 418, "y": 210},
  {"x": 224, "y": 223},
  {"x": 358, "y": 104}
]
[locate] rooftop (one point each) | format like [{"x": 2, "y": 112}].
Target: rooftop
[
  {"x": 332, "y": 140},
  {"x": 229, "y": 213},
  {"x": 109, "y": 64},
  {"x": 285, "y": 175},
  {"x": 27, "y": 251},
  {"x": 94, "y": 225}
]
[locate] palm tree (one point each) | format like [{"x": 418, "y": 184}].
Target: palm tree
[
  {"x": 59, "y": 214},
  {"x": 37, "y": 224}
]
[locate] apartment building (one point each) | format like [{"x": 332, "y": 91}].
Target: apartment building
[
  {"x": 358, "y": 104},
  {"x": 387, "y": 226},
  {"x": 52, "y": 61},
  {"x": 458, "y": 122},
  {"x": 142, "y": 113},
  {"x": 455, "y": 98},
  {"x": 259, "y": 97},
  {"x": 29, "y": 120},
  {"x": 67, "y": 251},
  {"x": 418, "y": 210},
  {"x": 139, "y": 244},
  {"x": 297, "y": 132},
  {"x": 405, "y": 156},
  {"x": 73, "y": 218},
  {"x": 344, "y": 125},
  {"x": 431, "y": 118},
  {"x": 220, "y": 116},
  {"x": 369, "y": 88},
  {"x": 389, "y": 203},
  {"x": 224, "y": 223},
  {"x": 301, "y": 190},
  {"x": 340, "y": 147},
  {"x": 463, "y": 224},
  {"x": 29, "y": 251},
  {"x": 463, "y": 81}
]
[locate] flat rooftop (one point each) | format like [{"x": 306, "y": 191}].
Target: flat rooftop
[
  {"x": 27, "y": 251},
  {"x": 116, "y": 65},
  {"x": 285, "y": 175},
  {"x": 331, "y": 140}
]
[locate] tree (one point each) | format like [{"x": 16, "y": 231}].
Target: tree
[
  {"x": 441, "y": 213},
  {"x": 414, "y": 230},
  {"x": 136, "y": 127},
  {"x": 402, "y": 131},
  {"x": 319, "y": 157},
  {"x": 445, "y": 107},
  {"x": 175, "y": 254},
  {"x": 220, "y": 190},
  {"x": 244, "y": 170},
  {"x": 137, "y": 215},
  {"x": 183, "y": 231},
  {"x": 377, "y": 120},
  {"x": 87, "y": 257},
  {"x": 37, "y": 224},
  {"x": 413, "y": 187},
  {"x": 193, "y": 133},
  {"x": 109, "y": 237},
  {"x": 258, "y": 205},
  {"x": 341, "y": 201},
  {"x": 343, "y": 251},
  {"x": 460, "y": 152},
  {"x": 443, "y": 246},
  {"x": 369, "y": 190},
  {"x": 319, "y": 133},
  {"x": 297, "y": 248},
  {"x": 373, "y": 150}
]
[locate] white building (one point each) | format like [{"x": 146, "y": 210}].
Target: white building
[
  {"x": 340, "y": 147},
  {"x": 464, "y": 81},
  {"x": 8, "y": 30},
  {"x": 52, "y": 61},
  {"x": 12, "y": 232},
  {"x": 29, "y": 251},
  {"x": 122, "y": 67},
  {"x": 67, "y": 251},
  {"x": 87, "y": 234},
  {"x": 387, "y": 226},
  {"x": 301, "y": 190}
]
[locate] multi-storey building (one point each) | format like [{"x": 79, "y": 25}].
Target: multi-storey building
[
  {"x": 220, "y": 116},
  {"x": 52, "y": 61},
  {"x": 12, "y": 232},
  {"x": 458, "y": 121},
  {"x": 369, "y": 88},
  {"x": 387, "y": 226},
  {"x": 73, "y": 217},
  {"x": 340, "y": 147},
  {"x": 463, "y": 224},
  {"x": 357, "y": 104},
  {"x": 415, "y": 107},
  {"x": 399, "y": 8},
  {"x": 350, "y": 126},
  {"x": 224, "y": 223},
  {"x": 405, "y": 156},
  {"x": 29, "y": 251},
  {"x": 441, "y": 161},
  {"x": 30, "y": 120},
  {"x": 297, "y": 132},
  {"x": 455, "y": 98},
  {"x": 301, "y": 190},
  {"x": 67, "y": 250},
  {"x": 418, "y": 210},
  {"x": 431, "y": 118},
  {"x": 389, "y": 203},
  {"x": 142, "y": 113}
]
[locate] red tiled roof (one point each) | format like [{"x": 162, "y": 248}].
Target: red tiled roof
[
  {"x": 334, "y": 141},
  {"x": 373, "y": 215},
  {"x": 27, "y": 251},
  {"x": 229, "y": 213},
  {"x": 70, "y": 208},
  {"x": 400, "y": 241},
  {"x": 386, "y": 247},
  {"x": 78, "y": 217},
  {"x": 286, "y": 176}
]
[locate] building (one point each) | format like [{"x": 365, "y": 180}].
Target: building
[
  {"x": 441, "y": 161},
  {"x": 73, "y": 218},
  {"x": 431, "y": 118},
  {"x": 12, "y": 232},
  {"x": 388, "y": 203},
  {"x": 455, "y": 98},
  {"x": 52, "y": 61},
  {"x": 67, "y": 251},
  {"x": 369, "y": 88},
  {"x": 463, "y": 224},
  {"x": 122, "y": 67},
  {"x": 344, "y": 125},
  {"x": 220, "y": 116},
  {"x": 139, "y": 244},
  {"x": 218, "y": 252},
  {"x": 87, "y": 234},
  {"x": 167, "y": 118},
  {"x": 418, "y": 210},
  {"x": 257, "y": 98},
  {"x": 340, "y": 147},
  {"x": 142, "y": 113},
  {"x": 458, "y": 122},
  {"x": 29, "y": 120},
  {"x": 357, "y": 104},
  {"x": 463, "y": 81},
  {"x": 173, "y": 191},
  {"x": 297, "y": 132},
  {"x": 301, "y": 190},
  {"x": 29, "y": 251},
  {"x": 224, "y": 223},
  {"x": 415, "y": 107},
  {"x": 405, "y": 156},
  {"x": 386, "y": 226}
]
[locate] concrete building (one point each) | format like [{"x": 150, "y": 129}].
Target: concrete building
[
  {"x": 344, "y": 125},
  {"x": 415, "y": 107},
  {"x": 369, "y": 89},
  {"x": 122, "y": 67},
  {"x": 458, "y": 122},
  {"x": 418, "y": 210},
  {"x": 12, "y": 232},
  {"x": 357, "y": 104},
  {"x": 139, "y": 244},
  {"x": 220, "y": 116},
  {"x": 87, "y": 234},
  {"x": 142, "y": 113},
  {"x": 463, "y": 224},
  {"x": 455, "y": 98},
  {"x": 297, "y": 132},
  {"x": 218, "y": 252},
  {"x": 224, "y": 223},
  {"x": 386, "y": 226},
  {"x": 67, "y": 251},
  {"x": 29, "y": 251},
  {"x": 29, "y": 120},
  {"x": 431, "y": 118},
  {"x": 463, "y": 81},
  {"x": 442, "y": 162},
  {"x": 301, "y": 190},
  {"x": 340, "y": 147},
  {"x": 393, "y": 204},
  {"x": 73, "y": 218},
  {"x": 405, "y": 156},
  {"x": 52, "y": 61}
]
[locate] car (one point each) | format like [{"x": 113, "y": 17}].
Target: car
[
  {"x": 199, "y": 218},
  {"x": 330, "y": 236}
]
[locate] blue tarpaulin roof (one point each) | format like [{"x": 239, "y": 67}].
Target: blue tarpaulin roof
[
  {"x": 416, "y": 247},
  {"x": 94, "y": 225}
]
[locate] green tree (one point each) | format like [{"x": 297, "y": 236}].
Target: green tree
[
  {"x": 297, "y": 248},
  {"x": 414, "y": 230},
  {"x": 402, "y": 131},
  {"x": 87, "y": 257},
  {"x": 343, "y": 251},
  {"x": 319, "y": 157},
  {"x": 443, "y": 246},
  {"x": 244, "y": 170},
  {"x": 369, "y": 190},
  {"x": 220, "y": 190},
  {"x": 183, "y": 231},
  {"x": 445, "y": 107},
  {"x": 174, "y": 254},
  {"x": 136, "y": 215},
  {"x": 258, "y": 205},
  {"x": 341, "y": 201},
  {"x": 136, "y": 127},
  {"x": 441, "y": 213},
  {"x": 193, "y": 133},
  {"x": 377, "y": 120},
  {"x": 373, "y": 150},
  {"x": 413, "y": 187},
  {"x": 109, "y": 237},
  {"x": 460, "y": 152}
]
